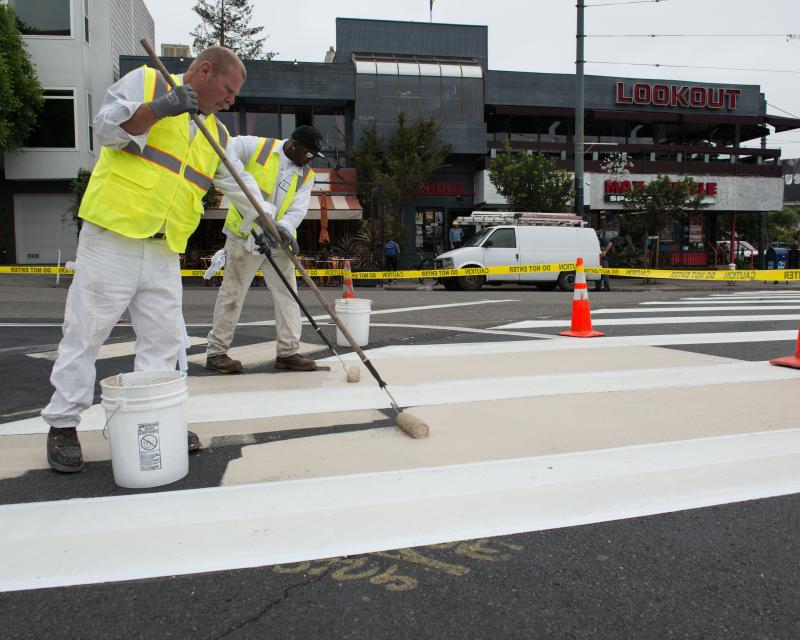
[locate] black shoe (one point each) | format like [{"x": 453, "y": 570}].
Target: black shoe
[
  {"x": 194, "y": 442},
  {"x": 295, "y": 362},
  {"x": 64, "y": 450},
  {"x": 221, "y": 363}
]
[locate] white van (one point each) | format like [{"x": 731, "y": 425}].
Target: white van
[{"x": 508, "y": 245}]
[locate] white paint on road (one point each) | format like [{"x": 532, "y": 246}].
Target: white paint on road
[
  {"x": 87, "y": 541},
  {"x": 605, "y": 322}
]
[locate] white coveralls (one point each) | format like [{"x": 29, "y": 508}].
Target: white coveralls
[
  {"x": 114, "y": 272},
  {"x": 242, "y": 260}
]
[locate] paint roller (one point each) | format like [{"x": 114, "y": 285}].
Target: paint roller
[{"x": 408, "y": 423}]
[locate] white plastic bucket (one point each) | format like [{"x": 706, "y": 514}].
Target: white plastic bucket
[
  {"x": 146, "y": 421},
  {"x": 354, "y": 314}
]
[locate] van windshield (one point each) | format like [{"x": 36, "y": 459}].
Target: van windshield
[{"x": 477, "y": 240}]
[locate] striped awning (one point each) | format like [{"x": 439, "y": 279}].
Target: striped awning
[{"x": 339, "y": 208}]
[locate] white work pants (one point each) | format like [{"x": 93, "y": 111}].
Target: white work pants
[
  {"x": 240, "y": 269},
  {"x": 114, "y": 273}
]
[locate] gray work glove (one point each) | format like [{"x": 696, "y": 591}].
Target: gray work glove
[
  {"x": 288, "y": 239},
  {"x": 180, "y": 100}
]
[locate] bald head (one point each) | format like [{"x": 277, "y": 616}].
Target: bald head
[
  {"x": 217, "y": 76},
  {"x": 220, "y": 59}
]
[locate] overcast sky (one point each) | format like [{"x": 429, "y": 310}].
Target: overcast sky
[{"x": 539, "y": 35}]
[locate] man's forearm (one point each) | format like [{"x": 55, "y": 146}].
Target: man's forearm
[{"x": 141, "y": 120}]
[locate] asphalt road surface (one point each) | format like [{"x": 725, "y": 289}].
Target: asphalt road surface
[{"x": 686, "y": 566}]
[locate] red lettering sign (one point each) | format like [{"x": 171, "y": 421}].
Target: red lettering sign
[
  {"x": 616, "y": 187},
  {"x": 673, "y": 95}
]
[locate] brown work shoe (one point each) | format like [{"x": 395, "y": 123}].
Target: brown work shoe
[
  {"x": 221, "y": 363},
  {"x": 295, "y": 362},
  {"x": 64, "y": 450}
]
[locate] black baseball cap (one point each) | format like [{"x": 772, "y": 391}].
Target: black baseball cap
[{"x": 310, "y": 138}]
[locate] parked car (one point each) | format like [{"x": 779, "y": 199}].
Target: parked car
[
  {"x": 509, "y": 245},
  {"x": 742, "y": 249}
]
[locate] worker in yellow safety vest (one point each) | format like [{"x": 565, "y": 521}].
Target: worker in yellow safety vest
[
  {"x": 143, "y": 201},
  {"x": 280, "y": 167}
]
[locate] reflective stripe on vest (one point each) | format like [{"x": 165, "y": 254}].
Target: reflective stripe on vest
[
  {"x": 264, "y": 166},
  {"x": 138, "y": 192}
]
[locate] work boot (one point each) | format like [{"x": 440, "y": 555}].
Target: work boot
[
  {"x": 194, "y": 442},
  {"x": 64, "y": 450},
  {"x": 221, "y": 363},
  {"x": 295, "y": 362}
]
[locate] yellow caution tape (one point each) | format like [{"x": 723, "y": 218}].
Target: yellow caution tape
[{"x": 661, "y": 274}]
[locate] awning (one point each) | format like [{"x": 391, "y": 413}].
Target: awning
[{"x": 339, "y": 208}]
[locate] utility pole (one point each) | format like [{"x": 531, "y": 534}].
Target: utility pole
[{"x": 578, "y": 134}]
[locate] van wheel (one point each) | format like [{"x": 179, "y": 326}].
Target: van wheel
[
  {"x": 566, "y": 280},
  {"x": 471, "y": 283},
  {"x": 546, "y": 286}
]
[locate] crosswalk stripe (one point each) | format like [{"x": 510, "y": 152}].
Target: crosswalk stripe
[
  {"x": 541, "y": 324},
  {"x": 86, "y": 541}
]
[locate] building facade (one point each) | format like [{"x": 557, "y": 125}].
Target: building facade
[
  {"x": 76, "y": 46},
  {"x": 380, "y": 68}
]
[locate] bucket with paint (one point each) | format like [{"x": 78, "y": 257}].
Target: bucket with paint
[
  {"x": 146, "y": 422},
  {"x": 354, "y": 314}
]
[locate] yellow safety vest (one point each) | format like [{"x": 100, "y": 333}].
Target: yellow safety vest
[
  {"x": 264, "y": 166},
  {"x": 137, "y": 193}
]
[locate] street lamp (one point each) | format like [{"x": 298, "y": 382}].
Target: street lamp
[{"x": 578, "y": 136}]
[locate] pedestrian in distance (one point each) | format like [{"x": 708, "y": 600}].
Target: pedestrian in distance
[
  {"x": 456, "y": 235},
  {"x": 280, "y": 167},
  {"x": 143, "y": 201},
  {"x": 391, "y": 251},
  {"x": 606, "y": 246}
]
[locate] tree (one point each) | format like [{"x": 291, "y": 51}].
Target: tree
[
  {"x": 226, "y": 23},
  {"x": 390, "y": 172},
  {"x": 20, "y": 91},
  {"x": 651, "y": 207},
  {"x": 530, "y": 182}
]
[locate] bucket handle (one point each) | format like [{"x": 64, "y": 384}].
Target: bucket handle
[{"x": 120, "y": 402}]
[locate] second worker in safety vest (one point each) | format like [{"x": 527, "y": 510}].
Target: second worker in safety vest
[{"x": 280, "y": 167}]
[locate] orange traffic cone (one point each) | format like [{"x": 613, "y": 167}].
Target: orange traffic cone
[
  {"x": 347, "y": 281},
  {"x": 789, "y": 361},
  {"x": 581, "y": 313}
]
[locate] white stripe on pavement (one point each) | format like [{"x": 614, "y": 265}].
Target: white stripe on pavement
[
  {"x": 693, "y": 309},
  {"x": 541, "y": 324},
  {"x": 86, "y": 541},
  {"x": 243, "y": 405},
  {"x": 696, "y": 301}
]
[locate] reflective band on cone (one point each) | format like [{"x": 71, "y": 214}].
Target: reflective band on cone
[
  {"x": 581, "y": 326},
  {"x": 789, "y": 361},
  {"x": 347, "y": 281}
]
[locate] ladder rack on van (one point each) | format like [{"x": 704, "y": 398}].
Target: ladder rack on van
[{"x": 493, "y": 218}]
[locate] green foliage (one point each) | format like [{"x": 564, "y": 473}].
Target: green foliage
[
  {"x": 20, "y": 92},
  {"x": 657, "y": 204},
  {"x": 78, "y": 187},
  {"x": 530, "y": 182},
  {"x": 226, "y": 23},
  {"x": 389, "y": 172}
]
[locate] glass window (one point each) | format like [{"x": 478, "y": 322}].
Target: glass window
[
  {"x": 261, "y": 121},
  {"x": 42, "y": 17},
  {"x": 230, "y": 119},
  {"x": 90, "y": 119},
  {"x": 330, "y": 123},
  {"x": 365, "y": 96},
  {"x": 55, "y": 128},
  {"x": 386, "y": 106},
  {"x": 408, "y": 99},
  {"x": 288, "y": 123},
  {"x": 86, "y": 20},
  {"x": 640, "y": 133},
  {"x": 503, "y": 239},
  {"x": 429, "y": 225},
  {"x": 430, "y": 97},
  {"x": 451, "y": 99}
]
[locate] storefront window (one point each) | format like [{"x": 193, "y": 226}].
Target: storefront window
[
  {"x": 55, "y": 128},
  {"x": 330, "y": 124},
  {"x": 429, "y": 226},
  {"x": 42, "y": 17},
  {"x": 231, "y": 121},
  {"x": 262, "y": 121},
  {"x": 640, "y": 133}
]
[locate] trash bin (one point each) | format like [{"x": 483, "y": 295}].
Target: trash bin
[{"x": 777, "y": 258}]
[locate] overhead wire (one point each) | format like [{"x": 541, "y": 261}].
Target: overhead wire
[
  {"x": 788, "y": 36},
  {"x": 689, "y": 66}
]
